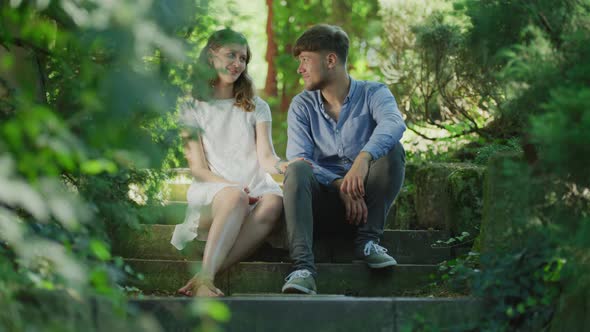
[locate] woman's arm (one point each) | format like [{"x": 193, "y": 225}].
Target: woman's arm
[
  {"x": 197, "y": 162},
  {"x": 265, "y": 150}
]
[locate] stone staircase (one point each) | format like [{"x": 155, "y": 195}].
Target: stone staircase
[{"x": 352, "y": 297}]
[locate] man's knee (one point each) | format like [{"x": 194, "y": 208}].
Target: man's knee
[
  {"x": 396, "y": 156},
  {"x": 390, "y": 164},
  {"x": 298, "y": 170},
  {"x": 386, "y": 174}
]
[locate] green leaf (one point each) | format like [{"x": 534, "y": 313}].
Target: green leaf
[
  {"x": 97, "y": 166},
  {"x": 6, "y": 62},
  {"x": 99, "y": 250},
  {"x": 100, "y": 280},
  {"x": 531, "y": 301},
  {"x": 46, "y": 284},
  {"x": 213, "y": 309},
  {"x": 509, "y": 312}
]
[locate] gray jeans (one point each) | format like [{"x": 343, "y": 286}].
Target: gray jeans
[{"x": 309, "y": 204}]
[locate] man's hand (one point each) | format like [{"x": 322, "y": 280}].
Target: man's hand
[
  {"x": 356, "y": 209},
  {"x": 354, "y": 181}
]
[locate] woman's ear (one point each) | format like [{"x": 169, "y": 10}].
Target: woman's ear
[{"x": 210, "y": 56}]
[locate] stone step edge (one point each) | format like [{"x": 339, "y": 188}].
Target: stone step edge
[
  {"x": 306, "y": 298},
  {"x": 325, "y": 313},
  {"x": 356, "y": 262},
  {"x": 259, "y": 277},
  {"x": 153, "y": 242}
]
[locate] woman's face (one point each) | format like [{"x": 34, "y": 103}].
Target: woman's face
[{"x": 230, "y": 62}]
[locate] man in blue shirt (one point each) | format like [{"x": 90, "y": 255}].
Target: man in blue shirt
[{"x": 349, "y": 131}]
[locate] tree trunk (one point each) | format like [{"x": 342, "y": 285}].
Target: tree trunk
[
  {"x": 288, "y": 87},
  {"x": 25, "y": 76},
  {"x": 270, "y": 87}
]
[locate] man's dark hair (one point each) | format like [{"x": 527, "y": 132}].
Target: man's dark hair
[{"x": 323, "y": 37}]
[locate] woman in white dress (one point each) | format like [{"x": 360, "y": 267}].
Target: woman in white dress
[{"x": 233, "y": 202}]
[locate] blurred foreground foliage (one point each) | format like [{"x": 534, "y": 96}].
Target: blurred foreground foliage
[
  {"x": 87, "y": 96},
  {"x": 88, "y": 90},
  {"x": 529, "y": 62}
]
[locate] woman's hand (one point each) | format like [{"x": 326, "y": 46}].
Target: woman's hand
[
  {"x": 283, "y": 165},
  {"x": 251, "y": 200}
]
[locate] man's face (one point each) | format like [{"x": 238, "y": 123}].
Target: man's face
[{"x": 313, "y": 70}]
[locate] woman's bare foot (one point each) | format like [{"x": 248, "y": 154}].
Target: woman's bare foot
[{"x": 198, "y": 286}]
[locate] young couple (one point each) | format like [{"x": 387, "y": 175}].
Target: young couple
[{"x": 346, "y": 164}]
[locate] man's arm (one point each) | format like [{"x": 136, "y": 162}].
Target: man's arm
[
  {"x": 390, "y": 124},
  {"x": 389, "y": 130},
  {"x": 300, "y": 144}
]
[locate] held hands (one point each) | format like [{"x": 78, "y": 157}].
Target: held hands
[{"x": 281, "y": 166}]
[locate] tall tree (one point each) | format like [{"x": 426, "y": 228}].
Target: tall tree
[
  {"x": 293, "y": 17},
  {"x": 270, "y": 87}
]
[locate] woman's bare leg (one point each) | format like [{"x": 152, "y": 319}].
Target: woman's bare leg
[
  {"x": 258, "y": 225},
  {"x": 229, "y": 209}
]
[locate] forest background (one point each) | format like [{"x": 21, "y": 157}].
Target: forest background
[{"x": 88, "y": 96}]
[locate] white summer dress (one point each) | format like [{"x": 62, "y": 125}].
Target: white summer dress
[{"x": 229, "y": 141}]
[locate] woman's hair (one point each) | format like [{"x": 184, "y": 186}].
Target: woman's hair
[{"x": 205, "y": 75}]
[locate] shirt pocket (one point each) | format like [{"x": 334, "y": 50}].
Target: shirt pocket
[{"x": 356, "y": 134}]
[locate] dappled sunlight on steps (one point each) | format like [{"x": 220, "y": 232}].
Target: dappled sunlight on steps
[{"x": 351, "y": 296}]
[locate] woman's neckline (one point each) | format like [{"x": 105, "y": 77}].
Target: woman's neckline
[{"x": 222, "y": 99}]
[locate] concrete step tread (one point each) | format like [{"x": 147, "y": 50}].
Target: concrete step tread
[
  {"x": 262, "y": 277},
  {"x": 279, "y": 297},
  {"x": 406, "y": 246},
  {"x": 351, "y": 263},
  {"x": 323, "y": 313}
]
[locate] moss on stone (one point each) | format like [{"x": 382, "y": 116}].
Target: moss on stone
[
  {"x": 506, "y": 200},
  {"x": 465, "y": 187},
  {"x": 448, "y": 197},
  {"x": 402, "y": 214}
]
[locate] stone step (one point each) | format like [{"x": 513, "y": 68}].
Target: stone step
[
  {"x": 399, "y": 214},
  {"x": 177, "y": 191},
  {"x": 354, "y": 279},
  {"x": 170, "y": 214},
  {"x": 174, "y": 211},
  {"x": 445, "y": 196},
  {"x": 321, "y": 313},
  {"x": 153, "y": 242}
]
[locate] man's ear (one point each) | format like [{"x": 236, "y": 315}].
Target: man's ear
[{"x": 331, "y": 60}]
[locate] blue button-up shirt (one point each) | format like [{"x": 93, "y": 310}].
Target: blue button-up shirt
[{"x": 369, "y": 121}]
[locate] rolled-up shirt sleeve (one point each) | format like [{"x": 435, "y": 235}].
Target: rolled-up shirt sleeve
[
  {"x": 390, "y": 124},
  {"x": 300, "y": 143}
]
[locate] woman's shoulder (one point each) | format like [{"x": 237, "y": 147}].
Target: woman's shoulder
[
  {"x": 186, "y": 103},
  {"x": 191, "y": 104},
  {"x": 260, "y": 104},
  {"x": 259, "y": 101}
]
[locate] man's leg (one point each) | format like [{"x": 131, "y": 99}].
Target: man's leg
[
  {"x": 383, "y": 184},
  {"x": 299, "y": 190}
]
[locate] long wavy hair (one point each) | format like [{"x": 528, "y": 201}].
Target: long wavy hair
[{"x": 205, "y": 75}]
